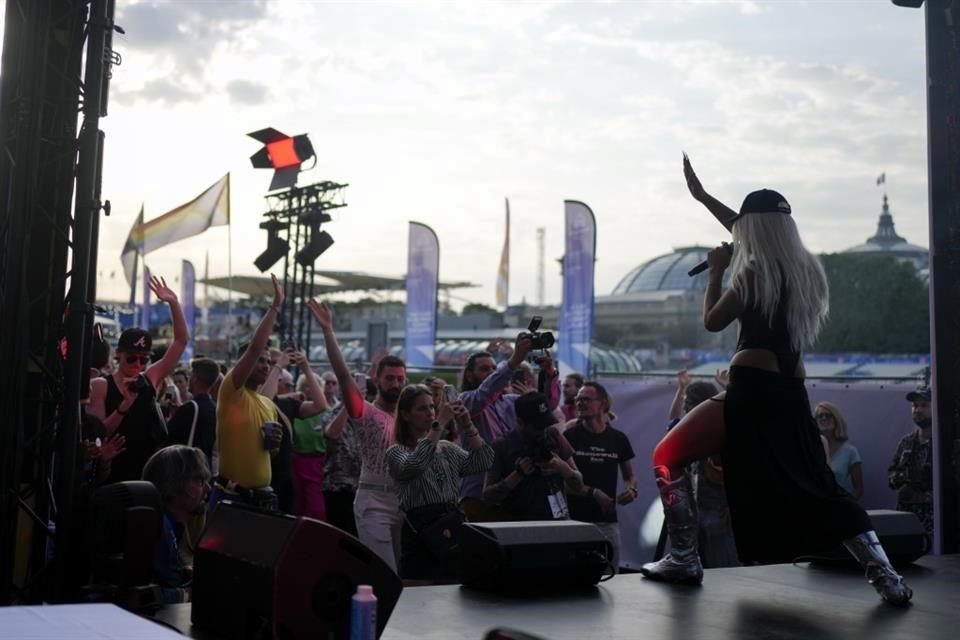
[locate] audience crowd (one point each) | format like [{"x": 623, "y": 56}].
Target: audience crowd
[{"x": 402, "y": 465}]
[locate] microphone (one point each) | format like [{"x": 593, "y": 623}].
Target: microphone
[{"x": 703, "y": 266}]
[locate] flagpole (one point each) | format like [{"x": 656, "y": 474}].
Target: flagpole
[{"x": 230, "y": 323}]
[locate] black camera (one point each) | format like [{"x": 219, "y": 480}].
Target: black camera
[{"x": 539, "y": 339}]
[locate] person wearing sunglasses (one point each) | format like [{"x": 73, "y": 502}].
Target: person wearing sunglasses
[{"x": 126, "y": 401}]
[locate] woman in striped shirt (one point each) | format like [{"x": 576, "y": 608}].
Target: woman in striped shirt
[{"x": 428, "y": 471}]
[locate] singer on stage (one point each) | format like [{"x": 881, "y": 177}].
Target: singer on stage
[{"x": 784, "y": 500}]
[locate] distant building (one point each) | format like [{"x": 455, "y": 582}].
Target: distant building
[
  {"x": 654, "y": 310},
  {"x": 886, "y": 242}
]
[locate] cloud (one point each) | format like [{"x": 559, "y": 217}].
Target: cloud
[
  {"x": 164, "y": 90},
  {"x": 176, "y": 42},
  {"x": 246, "y": 92}
]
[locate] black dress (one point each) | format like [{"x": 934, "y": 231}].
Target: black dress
[
  {"x": 143, "y": 426},
  {"x": 784, "y": 500}
]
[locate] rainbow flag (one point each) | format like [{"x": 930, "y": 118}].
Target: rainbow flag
[
  {"x": 210, "y": 209},
  {"x": 503, "y": 273}
]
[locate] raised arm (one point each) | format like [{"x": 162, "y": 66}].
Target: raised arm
[
  {"x": 337, "y": 425},
  {"x": 720, "y": 211},
  {"x": 353, "y": 398},
  {"x": 477, "y": 399},
  {"x": 479, "y": 456},
  {"x": 683, "y": 381},
  {"x": 318, "y": 401},
  {"x": 247, "y": 362},
  {"x": 181, "y": 335},
  {"x": 270, "y": 386}
]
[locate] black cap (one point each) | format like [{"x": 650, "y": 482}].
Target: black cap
[
  {"x": 534, "y": 410},
  {"x": 920, "y": 393},
  {"x": 763, "y": 201},
  {"x": 135, "y": 341}
]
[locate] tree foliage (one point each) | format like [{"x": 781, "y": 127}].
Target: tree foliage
[{"x": 878, "y": 304}]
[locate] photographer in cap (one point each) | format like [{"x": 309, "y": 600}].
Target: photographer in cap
[
  {"x": 126, "y": 402},
  {"x": 911, "y": 472},
  {"x": 533, "y": 467}
]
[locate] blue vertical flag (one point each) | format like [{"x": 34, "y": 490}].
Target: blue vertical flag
[
  {"x": 145, "y": 307},
  {"x": 188, "y": 280},
  {"x": 423, "y": 268},
  {"x": 576, "y": 314}
]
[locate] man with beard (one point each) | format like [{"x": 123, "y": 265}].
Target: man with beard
[
  {"x": 377, "y": 505},
  {"x": 486, "y": 394},
  {"x": 247, "y": 429},
  {"x": 911, "y": 472},
  {"x": 182, "y": 478}
]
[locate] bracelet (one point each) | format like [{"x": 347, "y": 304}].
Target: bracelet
[{"x": 123, "y": 413}]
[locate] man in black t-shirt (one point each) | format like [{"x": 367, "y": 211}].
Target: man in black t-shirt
[
  {"x": 532, "y": 468},
  {"x": 600, "y": 452}
]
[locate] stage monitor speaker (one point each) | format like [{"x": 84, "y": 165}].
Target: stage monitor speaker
[
  {"x": 267, "y": 575},
  {"x": 900, "y": 532},
  {"x": 526, "y": 556}
]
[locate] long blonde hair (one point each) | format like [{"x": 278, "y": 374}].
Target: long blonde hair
[{"x": 769, "y": 258}]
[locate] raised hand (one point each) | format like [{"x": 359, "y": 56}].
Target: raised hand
[
  {"x": 321, "y": 313},
  {"x": 693, "y": 182},
  {"x": 683, "y": 379},
  {"x": 520, "y": 350},
  {"x": 162, "y": 291},
  {"x": 278, "y": 295},
  {"x": 112, "y": 447},
  {"x": 722, "y": 378}
]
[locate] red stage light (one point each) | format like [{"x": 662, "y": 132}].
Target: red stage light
[{"x": 282, "y": 153}]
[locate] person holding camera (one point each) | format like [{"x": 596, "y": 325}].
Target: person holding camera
[
  {"x": 489, "y": 395},
  {"x": 126, "y": 401},
  {"x": 533, "y": 467},
  {"x": 248, "y": 433},
  {"x": 428, "y": 469}
]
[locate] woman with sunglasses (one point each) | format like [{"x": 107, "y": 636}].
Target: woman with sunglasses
[
  {"x": 784, "y": 501},
  {"x": 843, "y": 457},
  {"x": 126, "y": 401}
]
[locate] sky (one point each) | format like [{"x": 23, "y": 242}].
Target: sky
[{"x": 438, "y": 111}]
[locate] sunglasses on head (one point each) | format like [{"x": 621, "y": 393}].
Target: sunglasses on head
[{"x": 131, "y": 359}]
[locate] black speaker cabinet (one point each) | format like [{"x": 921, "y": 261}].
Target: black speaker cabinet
[
  {"x": 901, "y": 534},
  {"x": 532, "y": 556},
  {"x": 267, "y": 575}
]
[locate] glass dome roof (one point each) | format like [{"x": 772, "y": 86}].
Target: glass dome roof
[{"x": 665, "y": 273}]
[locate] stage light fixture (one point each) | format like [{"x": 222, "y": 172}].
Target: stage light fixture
[
  {"x": 282, "y": 153},
  {"x": 277, "y": 247},
  {"x": 319, "y": 242}
]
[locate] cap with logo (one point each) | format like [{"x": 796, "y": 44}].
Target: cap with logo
[
  {"x": 135, "y": 341},
  {"x": 920, "y": 393},
  {"x": 534, "y": 410},
  {"x": 763, "y": 201}
]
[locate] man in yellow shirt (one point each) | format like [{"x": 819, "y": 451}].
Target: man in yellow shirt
[{"x": 247, "y": 429}]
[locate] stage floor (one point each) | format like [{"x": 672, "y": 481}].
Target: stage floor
[{"x": 778, "y": 601}]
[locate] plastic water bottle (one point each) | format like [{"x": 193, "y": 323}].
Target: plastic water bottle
[{"x": 363, "y": 614}]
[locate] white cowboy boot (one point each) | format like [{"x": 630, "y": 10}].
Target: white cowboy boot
[
  {"x": 682, "y": 563},
  {"x": 869, "y": 553}
]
